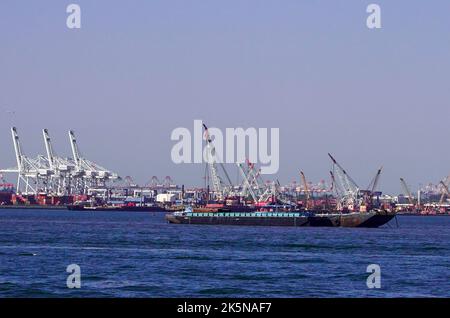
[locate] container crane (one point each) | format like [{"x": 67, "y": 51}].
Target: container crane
[
  {"x": 48, "y": 148},
  {"x": 60, "y": 167},
  {"x": 33, "y": 173},
  {"x": 53, "y": 174},
  {"x": 75, "y": 150},
  {"x": 88, "y": 173},
  {"x": 153, "y": 183}
]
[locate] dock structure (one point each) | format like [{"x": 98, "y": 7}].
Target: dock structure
[
  {"x": 54, "y": 180},
  {"x": 51, "y": 174}
]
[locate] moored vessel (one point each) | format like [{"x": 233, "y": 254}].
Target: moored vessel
[
  {"x": 371, "y": 219},
  {"x": 115, "y": 208}
]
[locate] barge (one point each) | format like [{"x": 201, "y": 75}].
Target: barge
[
  {"x": 115, "y": 208},
  {"x": 371, "y": 219}
]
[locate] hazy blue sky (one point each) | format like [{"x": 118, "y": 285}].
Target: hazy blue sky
[{"x": 138, "y": 69}]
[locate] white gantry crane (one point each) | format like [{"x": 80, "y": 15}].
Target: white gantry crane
[
  {"x": 62, "y": 168},
  {"x": 55, "y": 175},
  {"x": 88, "y": 174},
  {"x": 33, "y": 174}
]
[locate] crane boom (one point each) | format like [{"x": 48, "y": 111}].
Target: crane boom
[
  {"x": 407, "y": 192},
  {"x": 211, "y": 152},
  {"x": 48, "y": 148},
  {"x": 17, "y": 147},
  {"x": 342, "y": 170},
  {"x": 374, "y": 183},
  {"x": 74, "y": 146},
  {"x": 335, "y": 185},
  {"x": 247, "y": 182},
  {"x": 333, "y": 182},
  {"x": 305, "y": 185},
  {"x": 349, "y": 196}
]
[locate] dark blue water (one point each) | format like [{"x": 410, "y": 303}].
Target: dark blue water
[{"x": 139, "y": 255}]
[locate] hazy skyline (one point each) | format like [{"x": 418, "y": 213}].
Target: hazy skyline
[{"x": 137, "y": 70}]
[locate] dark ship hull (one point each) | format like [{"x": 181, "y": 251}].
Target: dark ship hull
[
  {"x": 116, "y": 208},
  {"x": 370, "y": 219}
]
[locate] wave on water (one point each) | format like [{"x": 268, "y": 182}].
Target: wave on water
[
  {"x": 27, "y": 254},
  {"x": 146, "y": 257}
]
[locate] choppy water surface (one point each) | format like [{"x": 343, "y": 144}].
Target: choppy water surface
[{"x": 139, "y": 255}]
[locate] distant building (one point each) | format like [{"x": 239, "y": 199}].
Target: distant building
[{"x": 166, "y": 197}]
